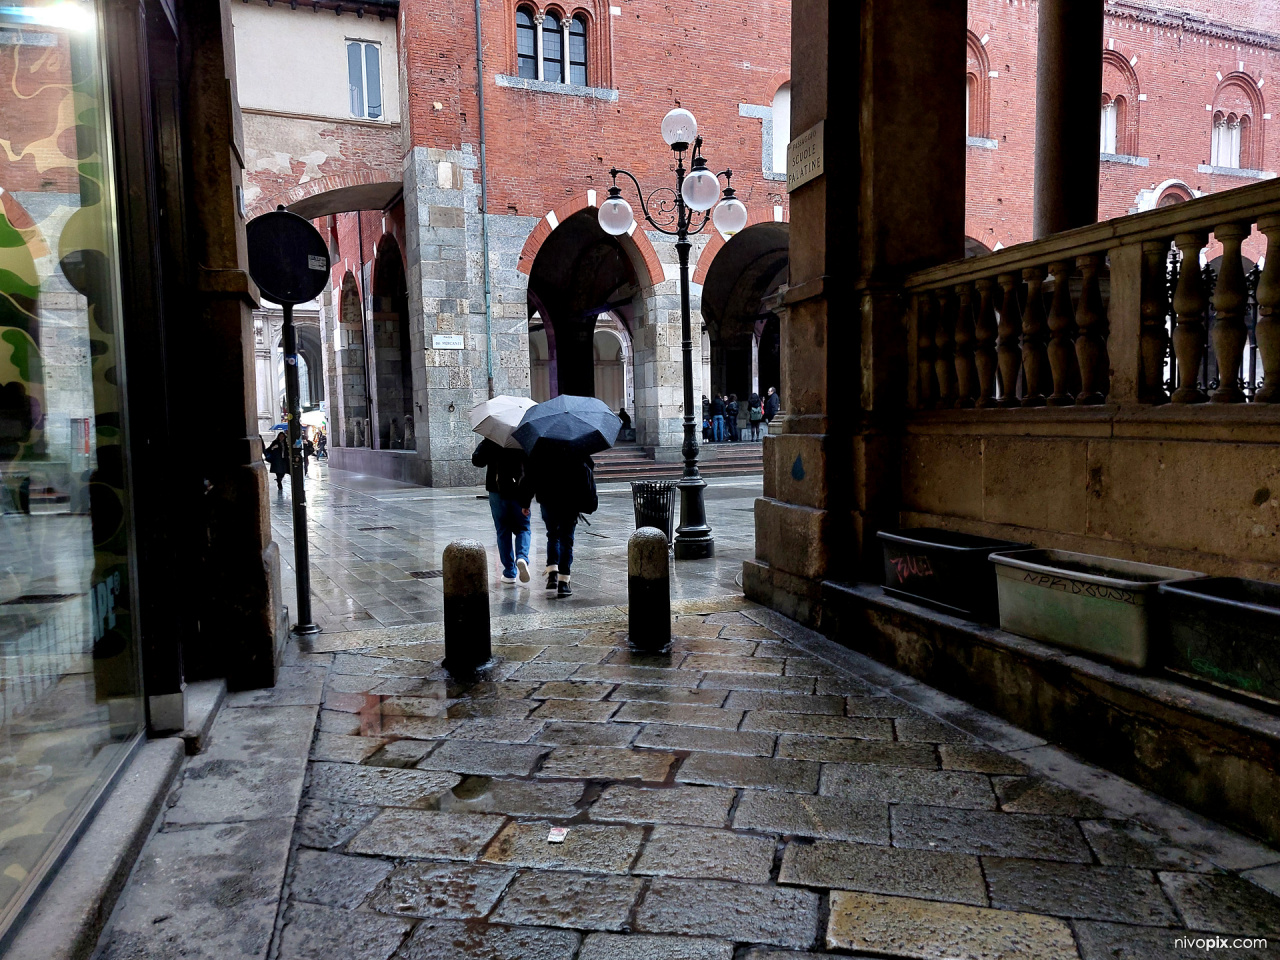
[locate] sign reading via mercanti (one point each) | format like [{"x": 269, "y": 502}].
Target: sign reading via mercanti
[
  {"x": 804, "y": 157},
  {"x": 448, "y": 341}
]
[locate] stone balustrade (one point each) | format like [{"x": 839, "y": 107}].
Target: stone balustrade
[{"x": 1115, "y": 312}]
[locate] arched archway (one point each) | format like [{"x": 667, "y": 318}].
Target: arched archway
[
  {"x": 353, "y": 365},
  {"x": 392, "y": 358},
  {"x": 741, "y": 325},
  {"x": 579, "y": 274},
  {"x": 310, "y": 366}
]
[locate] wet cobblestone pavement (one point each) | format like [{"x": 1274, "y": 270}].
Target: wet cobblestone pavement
[{"x": 759, "y": 793}]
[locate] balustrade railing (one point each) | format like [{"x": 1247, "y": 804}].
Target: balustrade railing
[{"x": 1116, "y": 312}]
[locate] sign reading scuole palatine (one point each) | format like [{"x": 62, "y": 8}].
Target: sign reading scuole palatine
[{"x": 804, "y": 157}]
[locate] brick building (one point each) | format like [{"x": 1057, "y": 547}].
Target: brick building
[{"x": 374, "y": 106}]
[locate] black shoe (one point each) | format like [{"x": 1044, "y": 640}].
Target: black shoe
[
  {"x": 553, "y": 578},
  {"x": 563, "y": 589}
]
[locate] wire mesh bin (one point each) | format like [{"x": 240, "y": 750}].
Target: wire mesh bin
[{"x": 654, "y": 503}]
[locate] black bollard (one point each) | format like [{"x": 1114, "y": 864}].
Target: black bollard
[
  {"x": 466, "y": 607},
  {"x": 649, "y": 590}
]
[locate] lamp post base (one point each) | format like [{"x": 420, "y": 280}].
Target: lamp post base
[
  {"x": 693, "y": 540},
  {"x": 305, "y": 630}
]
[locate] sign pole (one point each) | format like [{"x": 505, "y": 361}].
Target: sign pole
[{"x": 301, "y": 555}]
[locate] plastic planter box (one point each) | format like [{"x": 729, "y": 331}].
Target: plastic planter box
[
  {"x": 1093, "y": 604},
  {"x": 1226, "y": 631},
  {"x": 943, "y": 569}
]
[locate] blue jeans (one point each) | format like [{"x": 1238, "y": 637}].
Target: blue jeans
[
  {"x": 717, "y": 429},
  {"x": 560, "y": 527},
  {"x": 510, "y": 522}
]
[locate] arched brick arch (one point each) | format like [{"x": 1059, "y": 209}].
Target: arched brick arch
[
  {"x": 372, "y": 179},
  {"x": 709, "y": 250},
  {"x": 637, "y": 244},
  {"x": 978, "y": 84},
  {"x": 1238, "y": 93},
  {"x": 1120, "y": 86}
]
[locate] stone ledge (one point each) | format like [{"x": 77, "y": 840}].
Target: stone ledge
[
  {"x": 1213, "y": 755},
  {"x": 1244, "y": 172},
  {"x": 64, "y": 923},
  {"x": 982, "y": 143},
  {"x": 1124, "y": 158},
  {"x": 550, "y": 86}
]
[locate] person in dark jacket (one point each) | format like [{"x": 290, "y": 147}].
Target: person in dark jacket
[
  {"x": 277, "y": 457},
  {"x": 308, "y": 451},
  {"x": 717, "y": 419},
  {"x": 731, "y": 417},
  {"x": 565, "y": 486},
  {"x": 504, "y": 471},
  {"x": 755, "y": 413},
  {"x": 772, "y": 403}
]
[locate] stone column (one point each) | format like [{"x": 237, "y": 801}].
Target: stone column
[
  {"x": 1068, "y": 95},
  {"x": 537, "y": 35},
  {"x": 831, "y": 461}
]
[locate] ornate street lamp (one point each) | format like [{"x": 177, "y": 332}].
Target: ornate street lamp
[{"x": 675, "y": 213}]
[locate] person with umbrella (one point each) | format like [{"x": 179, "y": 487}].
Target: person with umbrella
[
  {"x": 277, "y": 457},
  {"x": 560, "y": 436},
  {"x": 504, "y": 463}
]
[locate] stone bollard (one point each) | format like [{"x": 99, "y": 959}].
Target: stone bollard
[
  {"x": 649, "y": 590},
  {"x": 466, "y": 607}
]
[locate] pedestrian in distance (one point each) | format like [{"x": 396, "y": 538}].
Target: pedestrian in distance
[
  {"x": 731, "y": 417},
  {"x": 625, "y": 418},
  {"x": 755, "y": 413},
  {"x": 717, "y": 419},
  {"x": 772, "y": 402},
  {"x": 308, "y": 451},
  {"x": 322, "y": 446},
  {"x": 504, "y": 470},
  {"x": 277, "y": 457},
  {"x": 564, "y": 483}
]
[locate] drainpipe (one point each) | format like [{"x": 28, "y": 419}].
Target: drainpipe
[{"x": 484, "y": 209}]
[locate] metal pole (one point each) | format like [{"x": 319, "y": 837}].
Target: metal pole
[
  {"x": 693, "y": 537},
  {"x": 301, "y": 559}
]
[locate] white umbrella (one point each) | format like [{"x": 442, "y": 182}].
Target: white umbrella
[
  {"x": 496, "y": 419},
  {"x": 314, "y": 418}
]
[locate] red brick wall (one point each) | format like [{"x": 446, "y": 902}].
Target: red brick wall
[
  {"x": 544, "y": 148},
  {"x": 1176, "y": 70}
]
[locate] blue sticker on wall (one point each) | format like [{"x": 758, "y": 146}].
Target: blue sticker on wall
[{"x": 797, "y": 469}]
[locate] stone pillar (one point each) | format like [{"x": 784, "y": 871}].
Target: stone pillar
[
  {"x": 467, "y": 643},
  {"x": 1068, "y": 98},
  {"x": 831, "y": 467}
]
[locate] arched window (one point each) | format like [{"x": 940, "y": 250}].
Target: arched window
[
  {"x": 970, "y": 102},
  {"x": 781, "y": 127},
  {"x": 1245, "y": 133},
  {"x": 1237, "y": 124},
  {"x": 1108, "y": 124},
  {"x": 977, "y": 88},
  {"x": 578, "y": 50},
  {"x": 526, "y": 45},
  {"x": 1119, "y": 105},
  {"x": 552, "y": 49}
]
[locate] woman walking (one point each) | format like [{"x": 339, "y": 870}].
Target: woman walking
[
  {"x": 504, "y": 471},
  {"x": 277, "y": 457},
  {"x": 564, "y": 483}
]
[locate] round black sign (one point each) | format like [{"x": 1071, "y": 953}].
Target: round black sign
[{"x": 288, "y": 259}]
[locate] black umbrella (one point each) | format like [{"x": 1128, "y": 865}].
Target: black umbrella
[{"x": 579, "y": 424}]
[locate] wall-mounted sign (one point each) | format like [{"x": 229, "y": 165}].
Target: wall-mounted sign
[
  {"x": 804, "y": 157},
  {"x": 448, "y": 341}
]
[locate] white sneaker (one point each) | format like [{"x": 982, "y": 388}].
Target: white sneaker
[
  {"x": 523, "y": 566},
  {"x": 506, "y": 579}
]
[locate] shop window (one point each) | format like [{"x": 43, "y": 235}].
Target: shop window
[
  {"x": 526, "y": 45},
  {"x": 578, "y": 51},
  {"x": 364, "y": 79}
]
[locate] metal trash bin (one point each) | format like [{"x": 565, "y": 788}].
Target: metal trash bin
[{"x": 654, "y": 503}]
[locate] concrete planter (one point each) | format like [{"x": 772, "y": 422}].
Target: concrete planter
[
  {"x": 1225, "y": 631},
  {"x": 1097, "y": 605},
  {"x": 942, "y": 569}
]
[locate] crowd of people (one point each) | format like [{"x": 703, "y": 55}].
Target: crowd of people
[
  {"x": 315, "y": 443},
  {"x": 722, "y": 416}
]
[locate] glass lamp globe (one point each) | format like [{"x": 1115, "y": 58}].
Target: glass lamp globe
[
  {"x": 616, "y": 217},
  {"x": 729, "y": 216},
  {"x": 701, "y": 189},
  {"x": 678, "y": 126}
]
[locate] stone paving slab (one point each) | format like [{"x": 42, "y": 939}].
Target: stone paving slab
[
  {"x": 579, "y": 901},
  {"x": 455, "y": 891},
  {"x": 335, "y": 879},
  {"x": 578, "y": 711},
  {"x": 745, "y": 912},
  {"x": 676, "y": 851},
  {"x": 220, "y": 790},
  {"x": 663, "y": 694},
  {"x": 426, "y": 834},
  {"x": 318, "y": 933},
  {"x": 573, "y": 690},
  {"x": 1115, "y": 941},
  {"x": 325, "y": 824},
  {"x": 887, "y": 752},
  {"x": 1223, "y": 904},
  {"x": 664, "y": 736},
  {"x": 683, "y": 714},
  {"x": 571, "y": 733},
  {"x": 762, "y": 773},
  {"x": 607, "y": 763},
  {"x": 803, "y": 815},
  {"x": 479, "y": 757},
  {"x": 755, "y": 681},
  {"x": 925, "y": 874},
  {"x": 869, "y": 781},
  {"x": 593, "y": 847},
  {"x": 984, "y": 832},
  {"x": 460, "y": 940},
  {"x": 861, "y": 728},
  {"x": 923, "y": 930},
  {"x": 785, "y": 702},
  {"x": 350, "y": 783},
  {"x": 960, "y": 756},
  {"x": 697, "y": 806},
  {"x": 1117, "y": 894},
  {"x": 1121, "y": 843},
  {"x": 528, "y": 798},
  {"x": 606, "y": 946}
]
